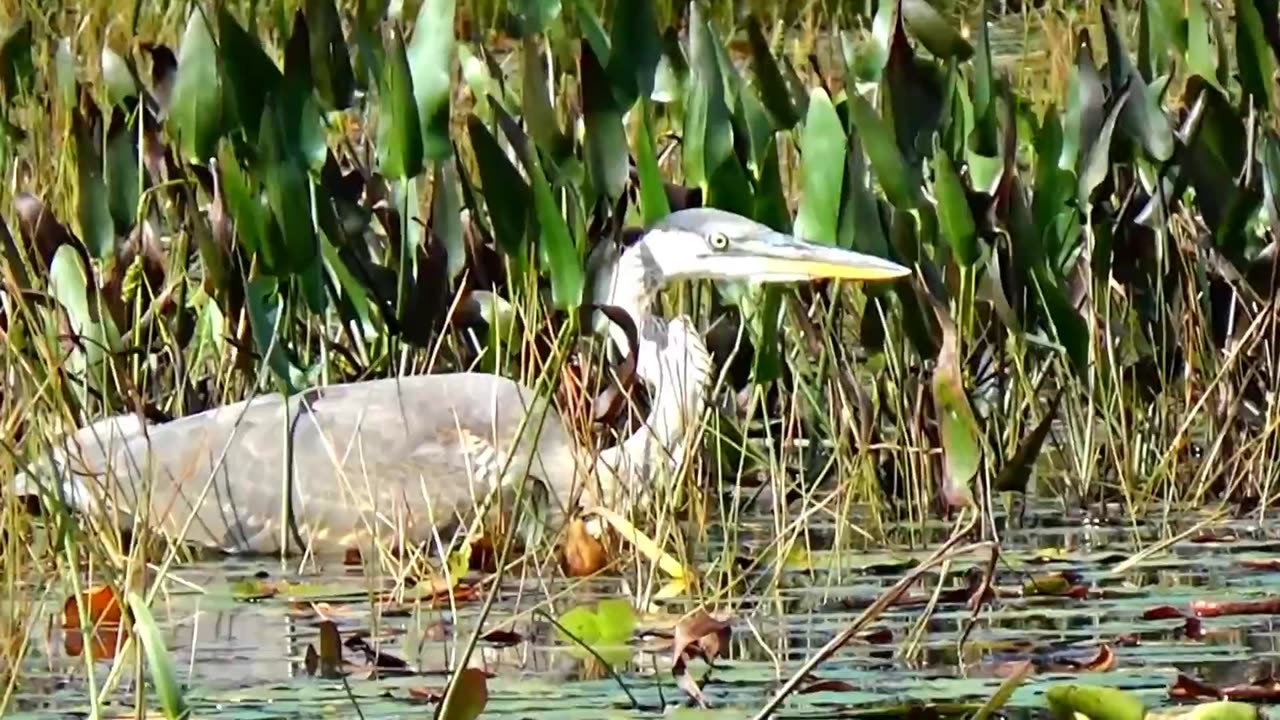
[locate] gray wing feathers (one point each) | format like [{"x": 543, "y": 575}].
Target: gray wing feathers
[{"x": 398, "y": 458}]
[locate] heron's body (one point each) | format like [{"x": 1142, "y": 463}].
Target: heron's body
[
  {"x": 367, "y": 460},
  {"x": 401, "y": 459}
]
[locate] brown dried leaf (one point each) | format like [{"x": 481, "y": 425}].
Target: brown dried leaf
[
  {"x": 1216, "y": 608},
  {"x": 700, "y": 635},
  {"x": 582, "y": 554}
]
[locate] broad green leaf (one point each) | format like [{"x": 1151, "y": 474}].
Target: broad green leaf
[
  {"x": 289, "y": 196},
  {"x": 1142, "y": 117},
  {"x": 606, "y": 630},
  {"x": 1070, "y": 702},
  {"x": 93, "y": 209},
  {"x": 163, "y": 677},
  {"x": 1200, "y": 56},
  {"x": 118, "y": 78},
  {"x": 870, "y": 62},
  {"x": 653, "y": 195},
  {"x": 986, "y": 131},
  {"x": 708, "y": 134},
  {"x": 430, "y": 61},
  {"x": 262, "y": 300},
  {"x": 446, "y": 215},
  {"x": 1254, "y": 58},
  {"x": 470, "y": 696},
  {"x": 899, "y": 183},
  {"x": 774, "y": 92},
  {"x": 954, "y": 214},
  {"x": 72, "y": 285},
  {"x": 400, "y": 151},
  {"x": 555, "y": 243},
  {"x": 957, "y": 425},
  {"x": 1086, "y": 109},
  {"x": 771, "y": 196},
  {"x": 592, "y": 31},
  {"x": 603, "y": 134},
  {"x": 1096, "y": 163},
  {"x": 120, "y": 167},
  {"x": 330, "y": 60},
  {"x": 823, "y": 146},
  {"x": 635, "y": 51},
  {"x": 938, "y": 34},
  {"x": 860, "y": 226},
  {"x": 251, "y": 76},
  {"x": 508, "y": 193},
  {"x": 195, "y": 107},
  {"x": 304, "y": 131},
  {"x": 243, "y": 195},
  {"x": 535, "y": 102}
]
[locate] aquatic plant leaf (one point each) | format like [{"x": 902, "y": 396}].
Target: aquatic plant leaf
[
  {"x": 117, "y": 77},
  {"x": 605, "y": 139},
  {"x": 635, "y": 51},
  {"x": 938, "y": 34},
  {"x": 986, "y": 131},
  {"x": 860, "y": 227},
  {"x": 870, "y": 62},
  {"x": 606, "y": 631},
  {"x": 534, "y": 16},
  {"x": 196, "y": 105},
  {"x": 581, "y": 554},
  {"x": 446, "y": 215},
  {"x": 899, "y": 184},
  {"x": 17, "y": 66},
  {"x": 251, "y": 76},
  {"x": 430, "y": 55},
  {"x": 593, "y": 32},
  {"x": 957, "y": 425},
  {"x": 243, "y": 194},
  {"x": 1096, "y": 164},
  {"x": 536, "y": 108},
  {"x": 1141, "y": 117},
  {"x": 774, "y": 92},
  {"x": 1255, "y": 61},
  {"x": 288, "y": 190},
  {"x": 1016, "y": 473},
  {"x": 496, "y": 171},
  {"x": 954, "y": 215},
  {"x": 470, "y": 696},
  {"x": 823, "y": 147},
  {"x": 1070, "y": 702},
  {"x": 1201, "y": 59},
  {"x": 304, "y": 132},
  {"x": 335, "y": 81},
  {"x": 771, "y": 195},
  {"x": 555, "y": 243},
  {"x": 400, "y": 150},
  {"x": 1086, "y": 108},
  {"x": 159, "y": 663},
  {"x": 708, "y": 134},
  {"x": 120, "y": 170},
  {"x": 653, "y": 194},
  {"x": 262, "y": 300},
  {"x": 93, "y": 209}
]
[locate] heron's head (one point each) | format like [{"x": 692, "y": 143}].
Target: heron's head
[{"x": 712, "y": 244}]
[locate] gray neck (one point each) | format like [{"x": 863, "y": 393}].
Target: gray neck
[{"x": 674, "y": 362}]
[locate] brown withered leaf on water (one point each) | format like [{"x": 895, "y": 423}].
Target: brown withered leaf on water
[
  {"x": 1264, "y": 690},
  {"x": 1223, "y": 608},
  {"x": 583, "y": 555},
  {"x": 1262, "y": 565},
  {"x": 699, "y": 635},
  {"x": 104, "y": 616},
  {"x": 327, "y": 663}
]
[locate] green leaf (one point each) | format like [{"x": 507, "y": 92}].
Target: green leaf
[
  {"x": 603, "y": 134},
  {"x": 304, "y": 130},
  {"x": 195, "y": 107},
  {"x": 1016, "y": 472},
  {"x": 470, "y": 696},
  {"x": 635, "y": 51},
  {"x": 1069, "y": 702},
  {"x": 774, "y": 92},
  {"x": 860, "y": 226},
  {"x": 986, "y": 130},
  {"x": 533, "y": 16},
  {"x": 899, "y": 184},
  {"x": 957, "y": 425},
  {"x": 556, "y": 246},
  {"x": 954, "y": 214},
  {"x": 510, "y": 215},
  {"x": 708, "y": 134},
  {"x": 117, "y": 77},
  {"x": 1201, "y": 59},
  {"x": 1086, "y": 110},
  {"x": 934, "y": 31},
  {"x": 870, "y": 62},
  {"x": 289, "y": 196},
  {"x": 446, "y": 218},
  {"x": 243, "y": 196},
  {"x": 163, "y": 677},
  {"x": 606, "y": 631},
  {"x": 400, "y": 151},
  {"x": 1097, "y": 160},
  {"x": 430, "y": 60},
  {"x": 653, "y": 195},
  {"x": 1141, "y": 118},
  {"x": 1257, "y": 64},
  {"x": 262, "y": 300},
  {"x": 121, "y": 173},
  {"x": 823, "y": 147},
  {"x": 539, "y": 116},
  {"x": 64, "y": 70},
  {"x": 251, "y": 75},
  {"x": 93, "y": 209},
  {"x": 330, "y": 60}
]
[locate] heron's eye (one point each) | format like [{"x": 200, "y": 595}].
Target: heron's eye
[{"x": 719, "y": 241}]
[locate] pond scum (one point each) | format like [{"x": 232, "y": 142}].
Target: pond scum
[{"x": 206, "y": 200}]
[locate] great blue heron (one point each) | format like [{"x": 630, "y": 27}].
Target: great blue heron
[{"x": 398, "y": 460}]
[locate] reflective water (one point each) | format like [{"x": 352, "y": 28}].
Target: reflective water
[{"x": 246, "y": 659}]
